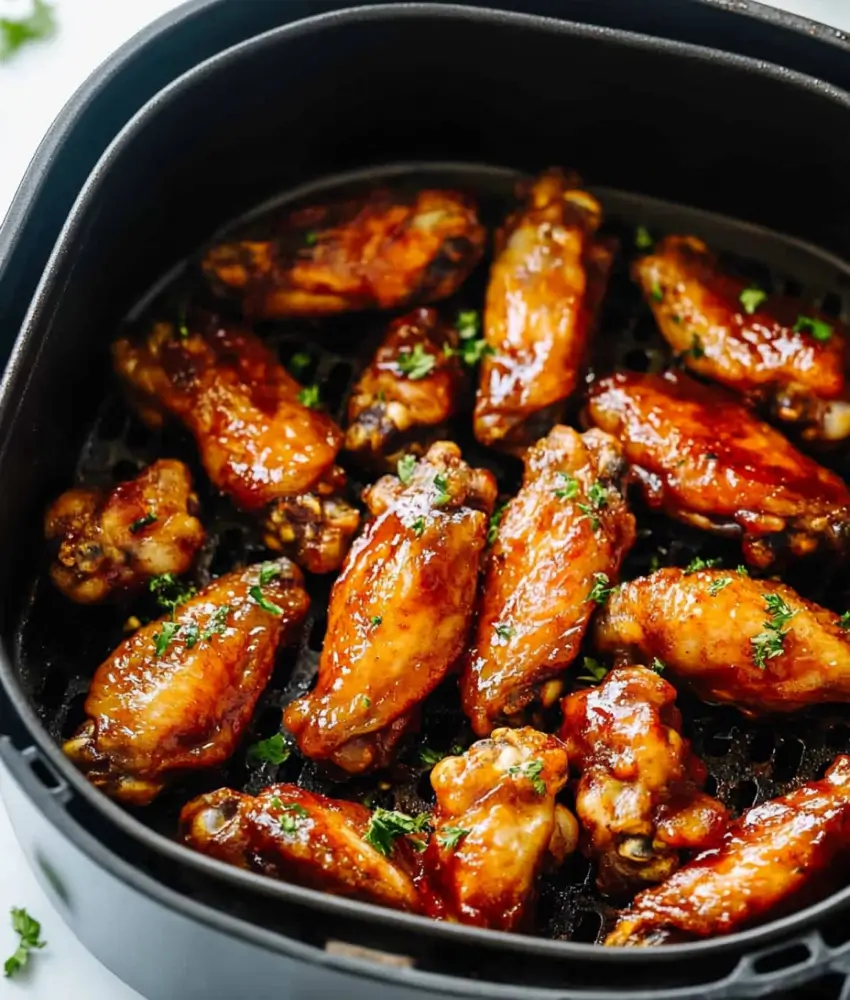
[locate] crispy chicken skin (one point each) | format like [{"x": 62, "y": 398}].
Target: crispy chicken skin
[
  {"x": 177, "y": 694},
  {"x": 496, "y": 825},
  {"x": 393, "y": 411},
  {"x": 720, "y": 632},
  {"x": 110, "y": 542},
  {"x": 773, "y": 855},
  {"x": 763, "y": 353},
  {"x": 259, "y": 444},
  {"x": 387, "y": 250},
  {"x": 298, "y": 836},
  {"x": 399, "y": 612},
  {"x": 638, "y": 798},
  {"x": 568, "y": 524},
  {"x": 705, "y": 459},
  {"x": 545, "y": 288}
]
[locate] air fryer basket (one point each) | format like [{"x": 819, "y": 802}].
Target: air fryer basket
[{"x": 423, "y": 84}]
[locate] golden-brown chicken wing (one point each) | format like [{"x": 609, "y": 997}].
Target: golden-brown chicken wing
[
  {"x": 754, "y": 643},
  {"x": 559, "y": 545},
  {"x": 178, "y": 693},
  {"x": 260, "y": 444},
  {"x": 545, "y": 288},
  {"x": 705, "y": 459},
  {"x": 388, "y": 250},
  {"x": 399, "y": 611},
  {"x": 110, "y": 542},
  {"x": 772, "y": 348},
  {"x": 497, "y": 824},
  {"x": 639, "y": 798},
  {"x": 410, "y": 390},
  {"x": 773, "y": 855},
  {"x": 305, "y": 838}
]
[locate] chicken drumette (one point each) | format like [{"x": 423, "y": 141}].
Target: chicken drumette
[
  {"x": 771, "y": 348},
  {"x": 399, "y": 612},
  {"x": 639, "y": 797},
  {"x": 705, "y": 459},
  {"x": 546, "y": 285},
  {"x": 178, "y": 693},
  {"x": 259, "y": 442},
  {"x": 754, "y": 643},
  {"x": 559, "y": 547},
  {"x": 111, "y": 542},
  {"x": 387, "y": 250},
  {"x": 411, "y": 388},
  {"x": 775, "y": 854}
]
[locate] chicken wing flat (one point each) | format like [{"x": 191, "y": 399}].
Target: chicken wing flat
[
  {"x": 496, "y": 825},
  {"x": 705, "y": 459},
  {"x": 399, "y": 612},
  {"x": 111, "y": 542},
  {"x": 259, "y": 443},
  {"x": 410, "y": 390},
  {"x": 754, "y": 643},
  {"x": 560, "y": 540},
  {"x": 301, "y": 837},
  {"x": 639, "y": 797},
  {"x": 772, "y": 856},
  {"x": 388, "y": 250},
  {"x": 545, "y": 289},
  {"x": 771, "y": 348},
  {"x": 178, "y": 693}
]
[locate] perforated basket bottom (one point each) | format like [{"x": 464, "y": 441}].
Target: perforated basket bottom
[{"x": 60, "y": 645}]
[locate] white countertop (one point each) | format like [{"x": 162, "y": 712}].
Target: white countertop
[{"x": 33, "y": 87}]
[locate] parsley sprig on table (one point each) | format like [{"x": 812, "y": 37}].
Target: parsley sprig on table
[
  {"x": 15, "y": 32},
  {"x": 29, "y": 938}
]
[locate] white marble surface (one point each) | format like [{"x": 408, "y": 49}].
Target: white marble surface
[{"x": 33, "y": 88}]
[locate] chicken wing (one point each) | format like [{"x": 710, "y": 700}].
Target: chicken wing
[
  {"x": 559, "y": 540},
  {"x": 408, "y": 393},
  {"x": 111, "y": 542},
  {"x": 178, "y": 693},
  {"x": 639, "y": 798},
  {"x": 705, "y": 459},
  {"x": 772, "y": 856},
  {"x": 305, "y": 838},
  {"x": 545, "y": 289},
  {"x": 388, "y": 250},
  {"x": 260, "y": 444},
  {"x": 399, "y": 611},
  {"x": 496, "y": 825},
  {"x": 756, "y": 644},
  {"x": 771, "y": 348}
]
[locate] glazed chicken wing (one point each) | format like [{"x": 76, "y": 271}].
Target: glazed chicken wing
[
  {"x": 545, "y": 289},
  {"x": 301, "y": 837},
  {"x": 496, "y": 825},
  {"x": 771, "y": 348},
  {"x": 560, "y": 540},
  {"x": 774, "y": 855},
  {"x": 705, "y": 459},
  {"x": 111, "y": 542},
  {"x": 388, "y": 250},
  {"x": 756, "y": 644},
  {"x": 639, "y": 798},
  {"x": 410, "y": 390},
  {"x": 399, "y": 611},
  {"x": 177, "y": 694},
  {"x": 260, "y": 444}
]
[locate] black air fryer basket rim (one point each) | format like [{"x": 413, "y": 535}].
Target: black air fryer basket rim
[{"x": 25, "y": 356}]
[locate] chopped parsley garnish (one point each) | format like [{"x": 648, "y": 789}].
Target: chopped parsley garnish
[
  {"x": 293, "y": 814},
  {"x": 751, "y": 298},
  {"x": 657, "y": 665},
  {"x": 643, "y": 238},
  {"x": 696, "y": 350},
  {"x": 530, "y": 769},
  {"x": 716, "y": 586},
  {"x": 441, "y": 485},
  {"x": 600, "y": 590},
  {"x": 594, "y": 670},
  {"x": 816, "y": 327},
  {"x": 472, "y": 351},
  {"x": 695, "y": 565},
  {"x": 418, "y": 526},
  {"x": 451, "y": 836},
  {"x": 657, "y": 292},
  {"x": 142, "y": 522},
  {"x": 260, "y": 598},
  {"x": 268, "y": 571},
  {"x": 769, "y": 643},
  {"x": 217, "y": 622},
  {"x": 504, "y": 631},
  {"x": 416, "y": 363},
  {"x": 569, "y": 489},
  {"x": 405, "y": 468},
  {"x": 742, "y": 571},
  {"x": 299, "y": 363},
  {"x": 468, "y": 324},
  {"x": 430, "y": 757},
  {"x": 15, "y": 32},
  {"x": 376, "y": 620},
  {"x": 311, "y": 238},
  {"x": 495, "y": 521},
  {"x": 270, "y": 751},
  {"x": 182, "y": 326},
  {"x": 472, "y": 347},
  {"x": 29, "y": 938},
  {"x": 367, "y": 702},
  {"x": 386, "y": 826},
  {"x": 309, "y": 397},
  {"x": 170, "y": 592},
  {"x": 844, "y": 620},
  {"x": 191, "y": 634},
  {"x": 598, "y": 499},
  {"x": 162, "y": 639}
]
